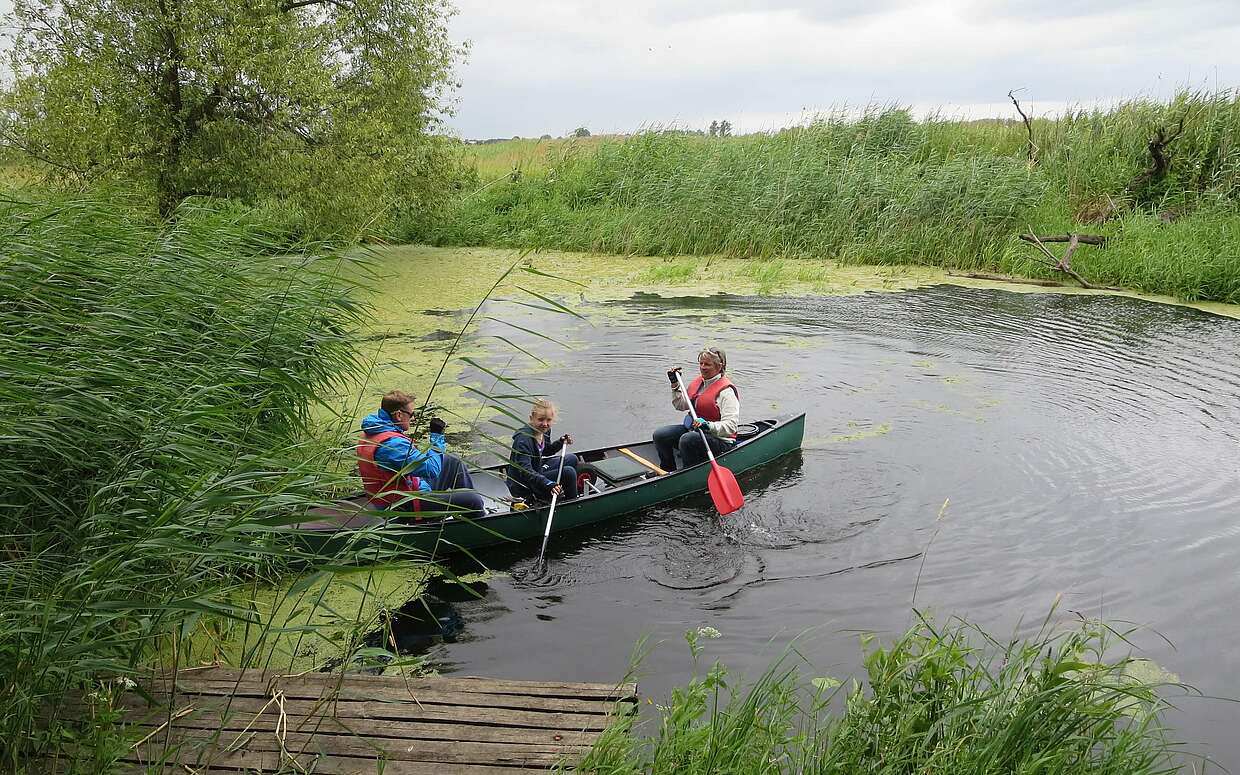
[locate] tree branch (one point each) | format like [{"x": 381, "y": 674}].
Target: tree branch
[
  {"x": 291, "y": 5},
  {"x": 1031, "y": 149},
  {"x": 10, "y": 140},
  {"x": 1084, "y": 239},
  {"x": 1158, "y": 147},
  {"x": 1064, "y": 264}
]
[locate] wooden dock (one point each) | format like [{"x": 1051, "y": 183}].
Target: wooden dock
[{"x": 220, "y": 720}]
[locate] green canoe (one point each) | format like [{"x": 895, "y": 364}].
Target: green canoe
[{"x": 621, "y": 484}]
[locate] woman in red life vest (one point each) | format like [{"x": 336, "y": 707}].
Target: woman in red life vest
[
  {"x": 718, "y": 407},
  {"x": 399, "y": 476}
]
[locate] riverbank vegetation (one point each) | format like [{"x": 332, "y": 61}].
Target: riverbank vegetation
[
  {"x": 1160, "y": 180},
  {"x": 183, "y": 187},
  {"x": 158, "y": 388},
  {"x": 941, "y": 698}
]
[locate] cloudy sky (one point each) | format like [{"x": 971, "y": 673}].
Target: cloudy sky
[{"x": 548, "y": 66}]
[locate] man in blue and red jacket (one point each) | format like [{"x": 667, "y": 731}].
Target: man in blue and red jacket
[{"x": 398, "y": 475}]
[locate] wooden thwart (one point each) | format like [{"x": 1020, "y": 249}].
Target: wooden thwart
[
  {"x": 638, "y": 458},
  {"x": 226, "y": 720}
]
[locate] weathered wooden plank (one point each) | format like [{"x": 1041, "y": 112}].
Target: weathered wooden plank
[
  {"x": 462, "y": 684},
  {"x": 346, "y": 745},
  {"x": 395, "y": 711},
  {"x": 273, "y": 763},
  {"x": 203, "y": 751},
  {"x": 312, "y": 761},
  {"x": 379, "y": 729},
  {"x": 232, "y": 673},
  {"x": 380, "y": 693}
]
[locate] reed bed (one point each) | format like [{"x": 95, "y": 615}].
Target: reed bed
[
  {"x": 939, "y": 699},
  {"x": 887, "y": 189},
  {"x": 157, "y": 384}
]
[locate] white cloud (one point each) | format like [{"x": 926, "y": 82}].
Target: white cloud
[{"x": 550, "y": 65}]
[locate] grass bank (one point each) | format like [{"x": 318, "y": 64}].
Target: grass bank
[
  {"x": 887, "y": 189},
  {"x": 158, "y": 383},
  {"x": 941, "y": 699}
]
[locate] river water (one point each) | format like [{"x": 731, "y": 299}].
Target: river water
[{"x": 976, "y": 453}]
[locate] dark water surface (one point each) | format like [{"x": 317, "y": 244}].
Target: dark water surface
[{"x": 1085, "y": 446}]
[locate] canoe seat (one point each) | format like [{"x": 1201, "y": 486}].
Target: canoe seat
[
  {"x": 616, "y": 470},
  {"x": 747, "y": 431}
]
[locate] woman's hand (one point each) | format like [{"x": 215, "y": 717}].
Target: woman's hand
[
  {"x": 671, "y": 375},
  {"x": 566, "y": 439},
  {"x": 557, "y": 490}
]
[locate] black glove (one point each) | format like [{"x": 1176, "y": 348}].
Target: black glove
[
  {"x": 437, "y": 425},
  {"x": 671, "y": 375}
]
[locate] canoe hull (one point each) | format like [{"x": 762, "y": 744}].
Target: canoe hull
[{"x": 435, "y": 539}]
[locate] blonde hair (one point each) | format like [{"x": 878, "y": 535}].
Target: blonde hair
[{"x": 543, "y": 406}]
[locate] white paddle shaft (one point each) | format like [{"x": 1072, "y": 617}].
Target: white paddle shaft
[{"x": 554, "y": 497}]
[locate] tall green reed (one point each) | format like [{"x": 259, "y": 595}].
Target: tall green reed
[
  {"x": 157, "y": 384},
  {"x": 883, "y": 188},
  {"x": 833, "y": 188},
  {"x": 939, "y": 699}
]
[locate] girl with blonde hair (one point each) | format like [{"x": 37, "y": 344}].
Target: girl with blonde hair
[{"x": 534, "y": 460}]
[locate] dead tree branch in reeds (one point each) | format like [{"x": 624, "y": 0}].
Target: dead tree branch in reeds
[
  {"x": 1064, "y": 263},
  {"x": 1031, "y": 149},
  {"x": 1159, "y": 147}
]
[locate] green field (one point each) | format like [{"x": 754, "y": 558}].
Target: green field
[{"x": 522, "y": 156}]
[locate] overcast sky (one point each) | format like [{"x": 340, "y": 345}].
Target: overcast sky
[{"x": 548, "y": 66}]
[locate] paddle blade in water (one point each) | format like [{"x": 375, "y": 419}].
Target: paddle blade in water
[{"x": 724, "y": 490}]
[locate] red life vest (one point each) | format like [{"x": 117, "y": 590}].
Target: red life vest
[
  {"x": 385, "y": 488},
  {"x": 706, "y": 401}
]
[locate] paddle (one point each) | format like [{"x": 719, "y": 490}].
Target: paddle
[
  {"x": 721, "y": 482},
  {"x": 551, "y": 512}
]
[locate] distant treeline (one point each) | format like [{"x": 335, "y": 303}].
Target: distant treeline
[{"x": 1160, "y": 180}]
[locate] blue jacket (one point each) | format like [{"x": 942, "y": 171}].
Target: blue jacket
[
  {"x": 400, "y": 454},
  {"x": 526, "y": 459}
]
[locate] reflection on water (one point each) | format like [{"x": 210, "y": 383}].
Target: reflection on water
[
  {"x": 1084, "y": 446},
  {"x": 429, "y": 619}
]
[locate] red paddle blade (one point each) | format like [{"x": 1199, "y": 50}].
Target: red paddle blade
[{"x": 724, "y": 490}]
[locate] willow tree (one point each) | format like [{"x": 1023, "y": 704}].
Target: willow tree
[{"x": 328, "y": 103}]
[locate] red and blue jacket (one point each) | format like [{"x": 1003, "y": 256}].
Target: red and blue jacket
[{"x": 398, "y": 454}]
